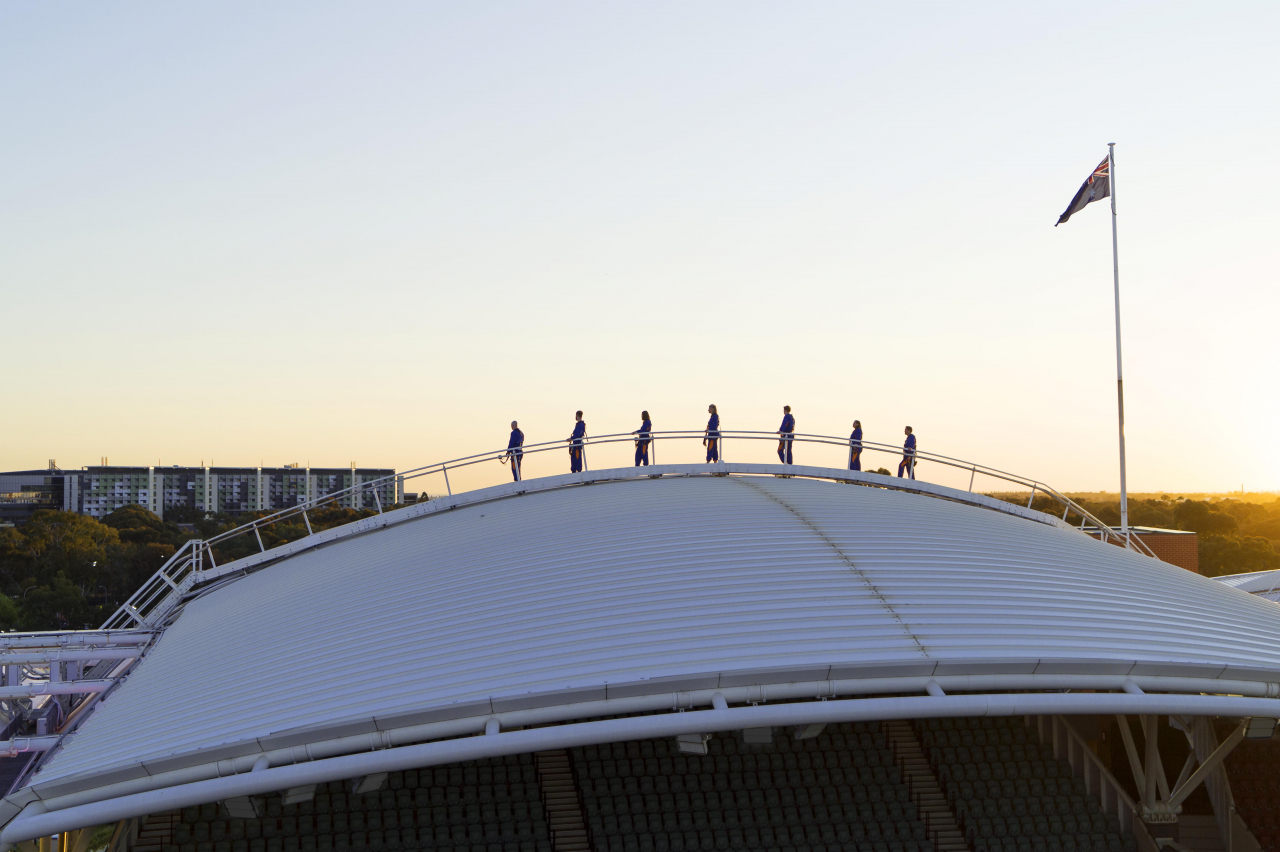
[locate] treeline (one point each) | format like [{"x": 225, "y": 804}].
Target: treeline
[
  {"x": 1236, "y": 537},
  {"x": 61, "y": 570}
]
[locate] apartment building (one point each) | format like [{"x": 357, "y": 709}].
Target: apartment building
[{"x": 100, "y": 490}]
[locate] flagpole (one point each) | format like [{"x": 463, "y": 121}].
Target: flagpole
[{"x": 1115, "y": 266}]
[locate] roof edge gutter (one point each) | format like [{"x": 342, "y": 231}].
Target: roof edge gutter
[
  {"x": 35, "y": 821},
  {"x": 393, "y": 737}
]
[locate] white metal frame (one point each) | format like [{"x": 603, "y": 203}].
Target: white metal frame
[
  {"x": 1099, "y": 783},
  {"x": 41, "y": 818}
]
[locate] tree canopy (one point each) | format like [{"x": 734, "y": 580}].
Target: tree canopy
[
  {"x": 1235, "y": 537},
  {"x": 62, "y": 570}
]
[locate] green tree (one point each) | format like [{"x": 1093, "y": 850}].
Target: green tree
[
  {"x": 1267, "y": 527},
  {"x": 68, "y": 544},
  {"x": 1201, "y": 517},
  {"x": 136, "y": 525},
  {"x": 9, "y": 614},
  {"x": 60, "y": 605},
  {"x": 1223, "y": 554}
]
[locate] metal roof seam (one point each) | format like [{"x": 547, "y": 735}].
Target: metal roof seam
[{"x": 816, "y": 530}]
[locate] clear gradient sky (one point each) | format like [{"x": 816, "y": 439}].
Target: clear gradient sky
[{"x": 312, "y": 232}]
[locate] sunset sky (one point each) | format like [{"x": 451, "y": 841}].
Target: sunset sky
[{"x": 324, "y": 233}]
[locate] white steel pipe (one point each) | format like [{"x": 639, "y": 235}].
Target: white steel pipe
[
  {"x": 75, "y": 639},
  {"x": 18, "y": 745},
  {"x": 64, "y": 687},
  {"x": 412, "y": 734},
  {"x": 38, "y": 820},
  {"x": 61, "y": 655}
]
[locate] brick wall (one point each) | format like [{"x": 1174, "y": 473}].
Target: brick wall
[{"x": 1175, "y": 547}]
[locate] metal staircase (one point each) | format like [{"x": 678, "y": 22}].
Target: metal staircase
[
  {"x": 925, "y": 791},
  {"x": 157, "y": 832},
  {"x": 563, "y": 805}
]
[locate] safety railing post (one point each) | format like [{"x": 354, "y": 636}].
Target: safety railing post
[
  {"x": 307, "y": 521},
  {"x": 972, "y": 473},
  {"x": 1032, "y": 498},
  {"x": 377, "y": 501},
  {"x": 445, "y": 470}
]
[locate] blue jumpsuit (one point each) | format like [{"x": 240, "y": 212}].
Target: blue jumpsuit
[
  {"x": 908, "y": 462},
  {"x": 784, "y": 445},
  {"x": 515, "y": 452},
  {"x": 575, "y": 448},
  {"x": 642, "y": 443},
  {"x": 855, "y": 448},
  {"x": 713, "y": 438}
]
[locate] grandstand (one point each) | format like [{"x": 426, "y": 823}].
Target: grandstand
[{"x": 694, "y": 658}]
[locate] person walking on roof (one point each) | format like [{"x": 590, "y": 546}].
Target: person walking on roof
[
  {"x": 575, "y": 443},
  {"x": 515, "y": 450},
  {"x": 643, "y": 439},
  {"x": 908, "y": 462},
  {"x": 785, "y": 435},
  {"x": 855, "y": 446},
  {"x": 711, "y": 440}
]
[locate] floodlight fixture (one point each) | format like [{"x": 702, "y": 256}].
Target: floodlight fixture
[
  {"x": 1260, "y": 728},
  {"x": 693, "y": 743}
]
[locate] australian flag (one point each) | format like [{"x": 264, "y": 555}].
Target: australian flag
[{"x": 1098, "y": 186}]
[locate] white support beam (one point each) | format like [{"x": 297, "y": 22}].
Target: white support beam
[
  {"x": 1149, "y": 763},
  {"x": 1135, "y": 765},
  {"x": 1155, "y": 765},
  {"x": 30, "y": 690},
  {"x": 1186, "y": 769},
  {"x": 19, "y": 745},
  {"x": 38, "y": 819},
  {"x": 75, "y": 639},
  {"x": 1219, "y": 754},
  {"x": 42, "y": 658},
  {"x": 1035, "y": 704}
]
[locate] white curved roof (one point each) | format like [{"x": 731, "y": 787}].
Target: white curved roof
[
  {"x": 621, "y": 588},
  {"x": 1263, "y": 584}
]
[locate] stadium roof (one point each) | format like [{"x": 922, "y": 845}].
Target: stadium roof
[
  {"x": 599, "y": 595},
  {"x": 1262, "y": 584}
]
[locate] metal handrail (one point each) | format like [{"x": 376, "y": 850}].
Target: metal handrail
[{"x": 175, "y": 574}]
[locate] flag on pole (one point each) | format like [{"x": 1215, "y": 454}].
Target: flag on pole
[{"x": 1098, "y": 186}]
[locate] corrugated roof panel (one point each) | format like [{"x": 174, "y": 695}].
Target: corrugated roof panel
[
  {"x": 618, "y": 582},
  {"x": 1257, "y": 582}
]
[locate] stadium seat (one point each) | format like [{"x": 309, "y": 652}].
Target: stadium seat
[{"x": 788, "y": 795}]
